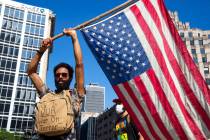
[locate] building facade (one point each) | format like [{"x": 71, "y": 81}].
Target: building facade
[
  {"x": 94, "y": 99},
  {"x": 22, "y": 27},
  {"x": 198, "y": 44},
  {"x": 106, "y": 124}
]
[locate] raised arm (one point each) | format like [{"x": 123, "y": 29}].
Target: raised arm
[
  {"x": 32, "y": 67},
  {"x": 79, "y": 69}
]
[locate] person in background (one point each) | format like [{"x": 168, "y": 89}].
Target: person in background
[{"x": 125, "y": 128}]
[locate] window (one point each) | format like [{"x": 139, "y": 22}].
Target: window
[
  {"x": 195, "y": 59},
  {"x": 43, "y": 20},
  {"x": 202, "y": 50},
  {"x": 190, "y": 34},
  {"x": 3, "y": 122},
  {"x": 206, "y": 70},
  {"x": 193, "y": 51},
  {"x": 208, "y": 81},
  {"x": 182, "y": 34},
  {"x": 204, "y": 59},
  {"x": 200, "y": 42},
  {"x": 208, "y": 36}
]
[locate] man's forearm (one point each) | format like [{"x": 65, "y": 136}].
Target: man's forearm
[{"x": 32, "y": 67}]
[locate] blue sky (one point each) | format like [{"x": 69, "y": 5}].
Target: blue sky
[{"x": 70, "y": 13}]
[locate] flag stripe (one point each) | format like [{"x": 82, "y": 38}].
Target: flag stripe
[
  {"x": 159, "y": 56},
  {"x": 200, "y": 96},
  {"x": 183, "y": 50},
  {"x": 146, "y": 96},
  {"x": 145, "y": 107},
  {"x": 131, "y": 112},
  {"x": 129, "y": 90},
  {"x": 197, "y": 132},
  {"x": 188, "y": 91},
  {"x": 158, "y": 72}
]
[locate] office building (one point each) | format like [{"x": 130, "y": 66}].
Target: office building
[
  {"x": 106, "y": 124},
  {"x": 94, "y": 99},
  {"x": 198, "y": 44},
  {"x": 88, "y": 129},
  {"x": 22, "y": 27}
]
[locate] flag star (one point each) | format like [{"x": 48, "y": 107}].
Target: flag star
[
  {"x": 108, "y": 61},
  {"x": 116, "y": 30},
  {"x": 110, "y": 27},
  {"x": 121, "y": 68},
  {"x": 129, "y": 35},
  {"x": 103, "y": 24},
  {"x": 139, "y": 54},
  {"x": 120, "y": 45},
  {"x": 121, "y": 39},
  {"x": 93, "y": 34},
  {"x": 115, "y": 36},
  {"x": 114, "y": 71},
  {"x": 128, "y": 41},
  {"x": 130, "y": 58},
  {"x": 86, "y": 30},
  {"x": 127, "y": 72},
  {"x": 108, "y": 68},
  {"x": 120, "y": 74},
  {"x": 96, "y": 49},
  {"x": 124, "y": 26},
  {"x": 91, "y": 40},
  {"x": 102, "y": 30},
  {"x": 110, "y": 56},
  {"x": 143, "y": 64},
  {"x": 115, "y": 65},
  {"x": 125, "y": 48},
  {"x": 122, "y": 62},
  {"x": 118, "y": 23},
  {"x": 111, "y": 21},
  {"x": 129, "y": 65},
  {"x": 106, "y": 39},
  {"x": 103, "y": 52},
  {"x": 104, "y": 46},
  {"x": 137, "y": 61},
  {"x": 119, "y": 18},
  {"x": 117, "y": 52},
  {"x": 102, "y": 59},
  {"x": 132, "y": 51},
  {"x": 135, "y": 68},
  {"x": 108, "y": 33},
  {"x": 134, "y": 45},
  {"x": 113, "y": 77},
  {"x": 124, "y": 55},
  {"x": 94, "y": 27},
  {"x": 111, "y": 49},
  {"x": 123, "y": 32},
  {"x": 98, "y": 43},
  {"x": 99, "y": 36},
  {"x": 113, "y": 42}
]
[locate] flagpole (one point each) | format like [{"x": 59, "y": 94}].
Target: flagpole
[{"x": 96, "y": 18}]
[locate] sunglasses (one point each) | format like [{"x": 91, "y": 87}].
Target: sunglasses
[{"x": 61, "y": 74}]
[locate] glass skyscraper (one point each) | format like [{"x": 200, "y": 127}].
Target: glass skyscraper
[
  {"x": 22, "y": 28},
  {"x": 94, "y": 99}
]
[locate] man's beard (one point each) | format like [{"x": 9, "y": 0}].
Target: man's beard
[{"x": 63, "y": 86}]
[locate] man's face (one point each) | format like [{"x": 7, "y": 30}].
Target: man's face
[{"x": 62, "y": 80}]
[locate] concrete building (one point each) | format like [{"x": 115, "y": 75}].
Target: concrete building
[
  {"x": 105, "y": 124},
  {"x": 22, "y": 27},
  {"x": 198, "y": 44},
  {"x": 89, "y": 129},
  {"x": 94, "y": 99}
]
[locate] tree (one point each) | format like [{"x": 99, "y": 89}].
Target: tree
[{"x": 5, "y": 135}]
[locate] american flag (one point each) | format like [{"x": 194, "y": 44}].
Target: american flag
[{"x": 151, "y": 71}]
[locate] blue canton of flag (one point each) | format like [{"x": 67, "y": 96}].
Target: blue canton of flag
[{"x": 117, "y": 49}]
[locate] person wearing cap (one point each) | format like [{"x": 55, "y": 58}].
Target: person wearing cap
[{"x": 125, "y": 128}]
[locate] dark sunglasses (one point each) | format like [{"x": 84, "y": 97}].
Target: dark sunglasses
[{"x": 61, "y": 74}]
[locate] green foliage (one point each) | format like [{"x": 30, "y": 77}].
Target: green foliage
[{"x": 5, "y": 135}]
